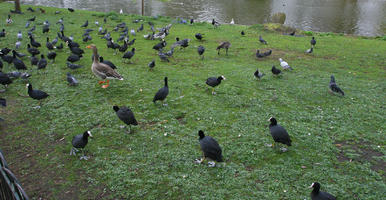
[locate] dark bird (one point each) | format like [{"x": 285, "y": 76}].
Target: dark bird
[
  {"x": 30, "y": 9},
  {"x": 33, "y": 51},
  {"x": 151, "y": 64},
  {"x": 49, "y": 45},
  {"x": 313, "y": 42},
  {"x": 124, "y": 47},
  {"x": 201, "y": 51},
  {"x": 223, "y": 45},
  {"x": 107, "y": 62},
  {"x": 128, "y": 55},
  {"x": 34, "y": 43},
  {"x": 242, "y": 33},
  {"x": 292, "y": 33},
  {"x": 334, "y": 87},
  {"x": 1, "y": 65},
  {"x": 51, "y": 55},
  {"x": 79, "y": 142},
  {"x": 198, "y": 36},
  {"x": 131, "y": 42},
  {"x": 85, "y": 24},
  {"x": 70, "y": 9},
  {"x": 42, "y": 10},
  {"x": 258, "y": 74},
  {"x": 87, "y": 38},
  {"x": 213, "y": 82},
  {"x": 262, "y": 40},
  {"x": 17, "y": 63},
  {"x": 278, "y": 133},
  {"x": 275, "y": 70},
  {"x": 3, "y": 102},
  {"x": 215, "y": 23},
  {"x": 46, "y": 28},
  {"x": 310, "y": 50},
  {"x": 42, "y": 62},
  {"x": 76, "y": 50},
  {"x": 264, "y": 54},
  {"x": 210, "y": 149},
  {"x": 140, "y": 28},
  {"x": 36, "y": 94},
  {"x": 126, "y": 115},
  {"x": 191, "y": 21},
  {"x": 60, "y": 46},
  {"x": 2, "y": 33},
  {"x": 182, "y": 43},
  {"x": 34, "y": 60},
  {"x": 162, "y": 93},
  {"x": 6, "y": 58},
  {"x": 316, "y": 194},
  {"x": 32, "y": 19},
  {"x": 73, "y": 66},
  {"x": 71, "y": 80},
  {"x": 54, "y": 41},
  {"x": 73, "y": 58},
  {"x": 160, "y": 45},
  {"x": 163, "y": 57},
  {"x": 19, "y": 55},
  {"x": 5, "y": 80},
  {"x": 57, "y": 12}
]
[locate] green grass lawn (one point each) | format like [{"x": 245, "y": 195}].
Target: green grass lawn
[{"x": 337, "y": 141}]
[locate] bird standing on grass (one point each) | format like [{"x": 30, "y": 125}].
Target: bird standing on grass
[
  {"x": 316, "y": 194},
  {"x": 262, "y": 40},
  {"x": 36, "y": 94},
  {"x": 278, "y": 133},
  {"x": 313, "y": 42},
  {"x": 310, "y": 50},
  {"x": 102, "y": 70},
  {"x": 71, "y": 80},
  {"x": 284, "y": 64},
  {"x": 126, "y": 115},
  {"x": 151, "y": 64},
  {"x": 334, "y": 87},
  {"x": 79, "y": 142},
  {"x": 213, "y": 82},
  {"x": 258, "y": 74},
  {"x": 223, "y": 45},
  {"x": 210, "y": 149},
  {"x": 201, "y": 51},
  {"x": 162, "y": 93}
]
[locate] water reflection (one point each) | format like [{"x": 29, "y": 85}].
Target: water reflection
[{"x": 362, "y": 17}]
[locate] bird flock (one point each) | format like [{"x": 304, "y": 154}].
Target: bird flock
[{"x": 106, "y": 70}]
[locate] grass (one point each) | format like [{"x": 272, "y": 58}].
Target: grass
[{"x": 337, "y": 141}]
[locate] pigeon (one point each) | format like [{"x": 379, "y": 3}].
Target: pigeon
[
  {"x": 73, "y": 66},
  {"x": 151, "y": 64},
  {"x": 42, "y": 62},
  {"x": 19, "y": 35},
  {"x": 198, "y": 36},
  {"x": 334, "y": 87},
  {"x": 262, "y": 40},
  {"x": 27, "y": 24},
  {"x": 215, "y": 23},
  {"x": 264, "y": 54},
  {"x": 275, "y": 71},
  {"x": 310, "y": 50},
  {"x": 70, "y": 9},
  {"x": 284, "y": 64},
  {"x": 71, "y": 80},
  {"x": 30, "y": 9},
  {"x": 242, "y": 33},
  {"x": 17, "y": 44},
  {"x": 258, "y": 74},
  {"x": 85, "y": 24}
]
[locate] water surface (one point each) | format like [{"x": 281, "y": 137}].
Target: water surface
[{"x": 360, "y": 17}]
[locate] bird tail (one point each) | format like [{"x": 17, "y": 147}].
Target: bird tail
[
  {"x": 341, "y": 91},
  {"x": 220, "y": 159},
  {"x": 135, "y": 122}
]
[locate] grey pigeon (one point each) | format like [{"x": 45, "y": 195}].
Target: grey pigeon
[
  {"x": 334, "y": 87},
  {"x": 71, "y": 80}
]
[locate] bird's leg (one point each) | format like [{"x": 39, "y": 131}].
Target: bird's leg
[
  {"x": 226, "y": 51},
  {"x": 84, "y": 156},
  {"x": 100, "y": 82},
  {"x": 73, "y": 151},
  {"x": 213, "y": 93},
  {"x": 164, "y": 104},
  {"x": 218, "y": 52},
  {"x": 107, "y": 85}
]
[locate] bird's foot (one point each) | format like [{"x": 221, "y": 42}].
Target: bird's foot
[
  {"x": 100, "y": 82},
  {"x": 2, "y": 91},
  {"x": 165, "y": 104},
  {"x": 36, "y": 107},
  {"x": 283, "y": 149},
  {"x": 198, "y": 161},
  {"x": 211, "y": 164},
  {"x": 213, "y": 93},
  {"x": 83, "y": 157},
  {"x": 105, "y": 86},
  {"x": 269, "y": 145},
  {"x": 122, "y": 126}
]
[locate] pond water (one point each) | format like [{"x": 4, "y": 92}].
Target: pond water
[{"x": 360, "y": 17}]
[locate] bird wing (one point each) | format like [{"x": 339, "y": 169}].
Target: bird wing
[
  {"x": 77, "y": 141},
  {"x": 212, "y": 81},
  {"x": 279, "y": 134},
  {"x": 161, "y": 94},
  {"x": 106, "y": 70},
  {"x": 127, "y": 116},
  {"x": 334, "y": 87}
]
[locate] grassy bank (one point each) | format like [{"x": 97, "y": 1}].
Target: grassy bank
[{"x": 337, "y": 141}]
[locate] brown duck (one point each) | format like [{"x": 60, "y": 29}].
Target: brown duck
[{"x": 102, "y": 70}]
